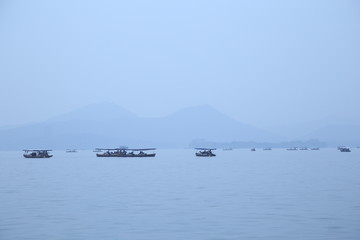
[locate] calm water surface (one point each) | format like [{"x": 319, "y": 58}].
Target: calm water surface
[{"x": 239, "y": 194}]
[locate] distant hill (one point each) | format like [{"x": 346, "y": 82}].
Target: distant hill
[
  {"x": 101, "y": 112},
  {"x": 109, "y": 125},
  {"x": 340, "y": 134},
  {"x": 251, "y": 144},
  {"x": 337, "y": 135}
]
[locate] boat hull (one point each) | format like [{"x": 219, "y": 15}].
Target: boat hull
[
  {"x": 30, "y": 156},
  {"x": 345, "y": 150},
  {"x": 126, "y": 155},
  {"x": 205, "y": 154}
]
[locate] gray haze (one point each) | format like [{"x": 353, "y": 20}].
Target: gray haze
[
  {"x": 290, "y": 67},
  {"x": 108, "y": 125}
]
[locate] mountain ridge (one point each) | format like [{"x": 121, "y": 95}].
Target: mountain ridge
[{"x": 112, "y": 125}]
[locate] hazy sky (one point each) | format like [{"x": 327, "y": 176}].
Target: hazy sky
[{"x": 261, "y": 62}]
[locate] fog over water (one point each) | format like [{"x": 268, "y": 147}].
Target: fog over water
[
  {"x": 174, "y": 75},
  {"x": 238, "y": 194}
]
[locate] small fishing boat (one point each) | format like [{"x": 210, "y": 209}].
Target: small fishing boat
[
  {"x": 71, "y": 150},
  {"x": 125, "y": 152},
  {"x": 227, "y": 149},
  {"x": 344, "y": 149},
  {"x": 205, "y": 152},
  {"x": 37, "y": 153},
  {"x": 138, "y": 152}
]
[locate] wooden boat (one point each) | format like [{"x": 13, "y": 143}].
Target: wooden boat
[
  {"x": 71, "y": 150},
  {"x": 139, "y": 153},
  {"x": 344, "y": 149},
  {"x": 205, "y": 152},
  {"x": 125, "y": 152},
  {"x": 37, "y": 153},
  {"x": 227, "y": 149}
]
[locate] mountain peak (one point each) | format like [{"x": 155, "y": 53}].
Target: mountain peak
[
  {"x": 96, "y": 112},
  {"x": 205, "y": 111},
  {"x": 109, "y": 124}
]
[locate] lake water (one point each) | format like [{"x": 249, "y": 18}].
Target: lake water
[{"x": 239, "y": 194}]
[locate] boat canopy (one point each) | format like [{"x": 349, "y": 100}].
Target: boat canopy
[
  {"x": 37, "y": 150},
  {"x": 139, "y": 149},
  {"x": 130, "y": 149},
  {"x": 107, "y": 149},
  {"x": 205, "y": 148}
]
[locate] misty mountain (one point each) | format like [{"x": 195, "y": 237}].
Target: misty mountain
[
  {"x": 252, "y": 144},
  {"x": 337, "y": 134},
  {"x": 108, "y": 125},
  {"x": 100, "y": 112}
]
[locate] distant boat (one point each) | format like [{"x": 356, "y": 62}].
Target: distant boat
[
  {"x": 344, "y": 149},
  {"x": 253, "y": 149},
  {"x": 37, "y": 153},
  {"x": 267, "y": 149},
  {"x": 315, "y": 148},
  {"x": 227, "y": 149},
  {"x": 304, "y": 148},
  {"x": 205, "y": 152},
  {"x": 125, "y": 152},
  {"x": 71, "y": 150}
]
